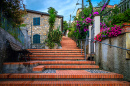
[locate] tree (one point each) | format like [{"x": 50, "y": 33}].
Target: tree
[
  {"x": 65, "y": 26},
  {"x": 12, "y": 9},
  {"x": 101, "y": 3},
  {"x": 52, "y": 17}
]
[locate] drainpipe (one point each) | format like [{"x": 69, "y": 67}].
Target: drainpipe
[{"x": 31, "y": 35}]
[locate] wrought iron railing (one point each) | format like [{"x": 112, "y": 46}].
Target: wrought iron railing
[
  {"x": 123, "y": 6},
  {"x": 6, "y": 24}
]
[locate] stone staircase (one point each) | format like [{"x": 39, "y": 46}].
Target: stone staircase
[{"x": 58, "y": 67}]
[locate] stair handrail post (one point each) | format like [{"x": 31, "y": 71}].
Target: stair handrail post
[
  {"x": 81, "y": 47},
  {"x": 90, "y": 42},
  {"x": 85, "y": 49}
]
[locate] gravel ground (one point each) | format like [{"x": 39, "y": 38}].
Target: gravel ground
[
  {"x": 49, "y": 71},
  {"x": 97, "y": 71}
]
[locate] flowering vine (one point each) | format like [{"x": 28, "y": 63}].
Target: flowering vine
[
  {"x": 108, "y": 32},
  {"x": 104, "y": 6},
  {"x": 82, "y": 26}
]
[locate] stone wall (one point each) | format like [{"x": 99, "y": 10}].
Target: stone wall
[
  {"x": 26, "y": 37},
  {"x": 41, "y": 29},
  {"x": 3, "y": 51},
  {"x": 114, "y": 59},
  {"x": 18, "y": 68}
]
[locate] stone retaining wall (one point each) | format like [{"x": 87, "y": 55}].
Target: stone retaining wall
[
  {"x": 18, "y": 68},
  {"x": 114, "y": 59},
  {"x": 3, "y": 51}
]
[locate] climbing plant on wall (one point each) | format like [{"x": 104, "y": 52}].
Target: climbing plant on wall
[
  {"x": 54, "y": 36},
  {"x": 52, "y": 12}
]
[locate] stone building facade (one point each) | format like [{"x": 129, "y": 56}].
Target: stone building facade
[{"x": 42, "y": 28}]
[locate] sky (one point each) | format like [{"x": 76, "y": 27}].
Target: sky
[{"x": 64, "y": 7}]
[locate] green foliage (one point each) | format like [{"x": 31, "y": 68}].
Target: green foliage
[
  {"x": 87, "y": 12},
  {"x": 101, "y": 3},
  {"x": 74, "y": 17},
  {"x": 52, "y": 17},
  {"x": 12, "y": 9},
  {"x": 14, "y": 34},
  {"x": 71, "y": 33},
  {"x": 127, "y": 15},
  {"x": 57, "y": 35},
  {"x": 115, "y": 11},
  {"x": 71, "y": 29},
  {"x": 23, "y": 25},
  {"x": 114, "y": 18},
  {"x": 121, "y": 17},
  {"x": 65, "y": 26},
  {"x": 54, "y": 37},
  {"x": 50, "y": 44}
]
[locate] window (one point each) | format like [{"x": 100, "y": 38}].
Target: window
[
  {"x": 36, "y": 38},
  {"x": 36, "y": 21}
]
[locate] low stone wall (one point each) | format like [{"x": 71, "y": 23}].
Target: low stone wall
[
  {"x": 114, "y": 59},
  {"x": 18, "y": 68},
  {"x": 3, "y": 51}
]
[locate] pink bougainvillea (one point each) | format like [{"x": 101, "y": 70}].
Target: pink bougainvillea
[
  {"x": 95, "y": 13},
  {"x": 102, "y": 26},
  {"x": 108, "y": 33},
  {"x": 82, "y": 25}
]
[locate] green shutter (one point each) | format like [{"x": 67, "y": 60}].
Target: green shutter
[
  {"x": 36, "y": 38},
  {"x": 36, "y": 21}
]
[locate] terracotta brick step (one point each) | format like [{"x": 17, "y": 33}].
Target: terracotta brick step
[
  {"x": 63, "y": 45},
  {"x": 57, "y": 51},
  {"x": 68, "y": 43},
  {"x": 56, "y": 55},
  {"x": 70, "y": 47},
  {"x": 38, "y": 68},
  {"x": 54, "y": 49},
  {"x": 64, "y": 83},
  {"x": 69, "y": 66},
  {"x": 64, "y": 62},
  {"x": 60, "y": 58},
  {"x": 63, "y": 74},
  {"x": 49, "y": 62}
]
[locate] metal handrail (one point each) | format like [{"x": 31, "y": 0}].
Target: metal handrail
[
  {"x": 92, "y": 40},
  {"x": 106, "y": 44}
]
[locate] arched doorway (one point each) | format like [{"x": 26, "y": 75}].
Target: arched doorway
[{"x": 36, "y": 38}]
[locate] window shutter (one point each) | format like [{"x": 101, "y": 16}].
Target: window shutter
[
  {"x": 36, "y": 21},
  {"x": 36, "y": 38}
]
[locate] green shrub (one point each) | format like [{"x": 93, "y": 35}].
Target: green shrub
[
  {"x": 127, "y": 15},
  {"x": 54, "y": 37},
  {"x": 51, "y": 44},
  {"x": 121, "y": 17}
]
